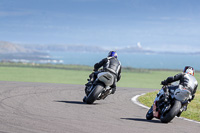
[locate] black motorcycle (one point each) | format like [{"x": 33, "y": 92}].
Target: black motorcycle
[
  {"x": 169, "y": 103},
  {"x": 98, "y": 86}
]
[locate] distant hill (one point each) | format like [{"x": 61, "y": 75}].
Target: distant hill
[
  {"x": 7, "y": 47},
  {"x": 87, "y": 48},
  {"x": 134, "y": 49},
  {"x": 65, "y": 48},
  {"x": 15, "y": 52}
]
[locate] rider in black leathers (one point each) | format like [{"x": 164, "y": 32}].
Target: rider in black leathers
[
  {"x": 110, "y": 64},
  {"x": 187, "y": 81}
]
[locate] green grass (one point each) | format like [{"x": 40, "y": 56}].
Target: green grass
[
  {"x": 73, "y": 74},
  {"x": 70, "y": 74},
  {"x": 45, "y": 75},
  {"x": 144, "y": 79},
  {"x": 192, "y": 110}
]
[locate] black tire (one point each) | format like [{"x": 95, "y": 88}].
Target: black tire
[
  {"x": 149, "y": 115},
  {"x": 167, "y": 117},
  {"x": 94, "y": 94}
]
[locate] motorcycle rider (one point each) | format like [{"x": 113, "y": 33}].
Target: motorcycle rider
[
  {"x": 110, "y": 64},
  {"x": 187, "y": 81}
]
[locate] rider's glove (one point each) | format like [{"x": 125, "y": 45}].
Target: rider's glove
[{"x": 164, "y": 82}]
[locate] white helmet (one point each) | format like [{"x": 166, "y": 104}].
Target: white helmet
[{"x": 189, "y": 70}]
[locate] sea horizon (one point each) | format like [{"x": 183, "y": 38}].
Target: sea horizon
[{"x": 134, "y": 60}]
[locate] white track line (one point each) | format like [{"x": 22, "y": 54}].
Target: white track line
[{"x": 134, "y": 100}]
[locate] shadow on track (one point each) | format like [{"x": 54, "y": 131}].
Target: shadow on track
[
  {"x": 72, "y": 102},
  {"x": 142, "y": 120},
  {"x": 76, "y": 102}
]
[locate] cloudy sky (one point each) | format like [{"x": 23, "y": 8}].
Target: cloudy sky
[{"x": 156, "y": 24}]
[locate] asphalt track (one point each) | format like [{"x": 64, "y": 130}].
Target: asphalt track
[{"x": 58, "y": 108}]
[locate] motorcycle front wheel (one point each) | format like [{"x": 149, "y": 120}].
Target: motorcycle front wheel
[
  {"x": 149, "y": 115},
  {"x": 167, "y": 117},
  {"x": 94, "y": 94}
]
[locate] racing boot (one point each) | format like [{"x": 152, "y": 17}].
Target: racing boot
[{"x": 184, "y": 108}]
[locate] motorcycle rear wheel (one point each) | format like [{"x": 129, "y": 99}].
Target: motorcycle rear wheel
[
  {"x": 94, "y": 94},
  {"x": 167, "y": 117}
]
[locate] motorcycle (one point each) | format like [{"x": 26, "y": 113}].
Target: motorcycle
[
  {"x": 98, "y": 86},
  {"x": 169, "y": 103}
]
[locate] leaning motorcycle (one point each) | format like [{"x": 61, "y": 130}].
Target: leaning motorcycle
[
  {"x": 169, "y": 103},
  {"x": 98, "y": 88}
]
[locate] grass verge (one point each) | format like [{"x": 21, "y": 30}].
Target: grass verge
[{"x": 74, "y": 74}]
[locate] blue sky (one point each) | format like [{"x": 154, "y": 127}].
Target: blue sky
[{"x": 156, "y": 24}]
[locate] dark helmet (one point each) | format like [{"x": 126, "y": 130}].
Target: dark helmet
[
  {"x": 189, "y": 70},
  {"x": 112, "y": 54}
]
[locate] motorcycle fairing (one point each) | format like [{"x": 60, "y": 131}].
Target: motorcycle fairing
[
  {"x": 106, "y": 78},
  {"x": 182, "y": 94},
  {"x": 156, "y": 112}
]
